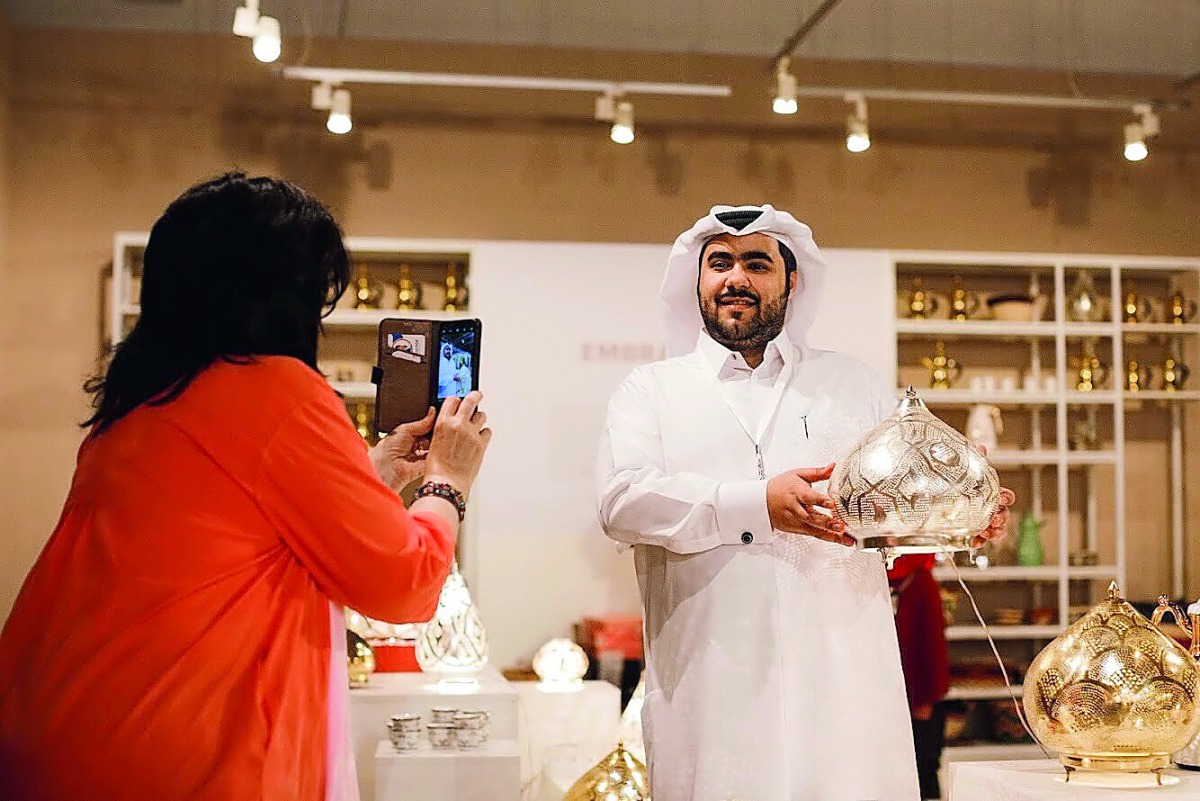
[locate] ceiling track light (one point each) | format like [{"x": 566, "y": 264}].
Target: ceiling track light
[
  {"x": 268, "y": 40},
  {"x": 785, "y": 88},
  {"x": 858, "y": 136},
  {"x": 1139, "y": 134},
  {"x": 245, "y": 19},
  {"x": 622, "y": 129},
  {"x": 339, "y": 121}
]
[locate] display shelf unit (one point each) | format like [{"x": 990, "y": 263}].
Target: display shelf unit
[
  {"x": 1021, "y": 632},
  {"x": 359, "y": 323},
  {"x": 1073, "y": 479},
  {"x": 1019, "y": 573},
  {"x": 986, "y": 693}
]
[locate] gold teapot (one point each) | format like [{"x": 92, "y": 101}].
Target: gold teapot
[
  {"x": 1134, "y": 307},
  {"x": 1182, "y": 309},
  {"x": 408, "y": 291},
  {"x": 921, "y": 305},
  {"x": 943, "y": 370},
  {"x": 963, "y": 304},
  {"x": 1174, "y": 371},
  {"x": 1090, "y": 372},
  {"x": 1113, "y": 692},
  {"x": 914, "y": 485},
  {"x": 360, "y": 659},
  {"x": 367, "y": 293},
  {"x": 1137, "y": 376}
]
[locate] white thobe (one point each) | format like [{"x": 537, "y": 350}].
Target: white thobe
[{"x": 772, "y": 669}]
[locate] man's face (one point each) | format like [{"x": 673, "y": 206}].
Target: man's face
[
  {"x": 447, "y": 352},
  {"x": 743, "y": 290}
]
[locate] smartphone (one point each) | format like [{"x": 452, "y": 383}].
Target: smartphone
[{"x": 420, "y": 364}]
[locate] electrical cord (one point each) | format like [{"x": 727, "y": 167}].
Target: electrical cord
[{"x": 996, "y": 652}]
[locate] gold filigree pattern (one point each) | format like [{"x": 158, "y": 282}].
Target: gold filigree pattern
[{"x": 1113, "y": 692}]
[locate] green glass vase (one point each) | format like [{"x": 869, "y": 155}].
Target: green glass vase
[{"x": 1029, "y": 544}]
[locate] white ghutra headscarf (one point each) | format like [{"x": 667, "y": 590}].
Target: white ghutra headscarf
[{"x": 681, "y": 308}]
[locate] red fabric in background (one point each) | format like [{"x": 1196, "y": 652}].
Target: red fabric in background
[
  {"x": 624, "y": 634},
  {"x": 173, "y": 639},
  {"x": 921, "y": 630}
]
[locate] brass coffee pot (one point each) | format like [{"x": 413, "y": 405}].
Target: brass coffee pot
[
  {"x": 943, "y": 370},
  {"x": 408, "y": 295},
  {"x": 1174, "y": 371},
  {"x": 963, "y": 304},
  {"x": 1182, "y": 309},
  {"x": 366, "y": 292},
  {"x": 1090, "y": 372},
  {"x": 1137, "y": 376},
  {"x": 1113, "y": 692},
  {"x": 921, "y": 305},
  {"x": 1135, "y": 308}
]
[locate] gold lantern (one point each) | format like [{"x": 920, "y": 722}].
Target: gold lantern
[
  {"x": 914, "y": 485},
  {"x": 360, "y": 659},
  {"x": 1113, "y": 693},
  {"x": 620, "y": 776}
]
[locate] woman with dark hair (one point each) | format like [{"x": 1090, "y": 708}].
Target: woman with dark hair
[{"x": 181, "y": 634}]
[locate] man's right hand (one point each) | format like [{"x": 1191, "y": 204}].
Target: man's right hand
[{"x": 792, "y": 504}]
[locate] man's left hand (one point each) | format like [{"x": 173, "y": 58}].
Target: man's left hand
[
  {"x": 399, "y": 458},
  {"x": 997, "y": 530}
]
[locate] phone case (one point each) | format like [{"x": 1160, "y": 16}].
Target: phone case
[{"x": 403, "y": 372}]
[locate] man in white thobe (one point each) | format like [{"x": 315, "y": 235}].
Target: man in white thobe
[{"x": 772, "y": 669}]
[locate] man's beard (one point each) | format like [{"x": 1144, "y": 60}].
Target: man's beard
[{"x": 745, "y": 335}]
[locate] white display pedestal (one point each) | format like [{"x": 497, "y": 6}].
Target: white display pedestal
[
  {"x": 1041, "y": 780},
  {"x": 581, "y": 725},
  {"x": 417, "y": 693},
  {"x": 560, "y": 776},
  {"x": 491, "y": 773}
]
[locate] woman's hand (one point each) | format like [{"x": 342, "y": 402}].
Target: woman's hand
[
  {"x": 997, "y": 529},
  {"x": 459, "y": 440},
  {"x": 400, "y": 457}
]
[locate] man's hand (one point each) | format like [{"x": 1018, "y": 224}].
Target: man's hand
[
  {"x": 399, "y": 458},
  {"x": 792, "y": 505},
  {"x": 997, "y": 530}
]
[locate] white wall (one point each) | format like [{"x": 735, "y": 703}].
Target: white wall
[{"x": 563, "y": 324}]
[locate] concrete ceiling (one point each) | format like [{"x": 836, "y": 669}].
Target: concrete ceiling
[{"x": 1125, "y": 36}]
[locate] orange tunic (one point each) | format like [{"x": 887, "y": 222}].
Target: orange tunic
[{"x": 173, "y": 638}]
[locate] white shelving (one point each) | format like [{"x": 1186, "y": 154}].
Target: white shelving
[
  {"x": 371, "y": 318},
  {"x": 1023, "y": 632},
  {"x": 1051, "y": 457},
  {"x": 966, "y": 397},
  {"x": 1019, "y": 573},
  {"x": 355, "y": 390},
  {"x": 984, "y": 693}
]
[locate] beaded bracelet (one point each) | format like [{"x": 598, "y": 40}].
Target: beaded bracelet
[{"x": 446, "y": 492}]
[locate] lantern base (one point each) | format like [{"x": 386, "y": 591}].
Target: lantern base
[
  {"x": 1115, "y": 763},
  {"x": 891, "y": 546}
]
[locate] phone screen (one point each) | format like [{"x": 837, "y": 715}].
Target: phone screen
[{"x": 455, "y": 370}]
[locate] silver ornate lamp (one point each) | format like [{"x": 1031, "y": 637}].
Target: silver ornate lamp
[{"x": 914, "y": 485}]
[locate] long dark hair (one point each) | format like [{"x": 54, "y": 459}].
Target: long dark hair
[{"x": 235, "y": 267}]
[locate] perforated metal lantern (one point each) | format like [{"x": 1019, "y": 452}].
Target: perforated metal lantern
[
  {"x": 1112, "y": 692},
  {"x": 620, "y": 776},
  {"x": 914, "y": 485}
]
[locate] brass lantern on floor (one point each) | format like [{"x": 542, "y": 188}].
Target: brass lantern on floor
[
  {"x": 914, "y": 485},
  {"x": 1113, "y": 693}
]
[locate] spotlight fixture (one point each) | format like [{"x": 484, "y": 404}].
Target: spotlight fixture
[
  {"x": 245, "y": 19},
  {"x": 1138, "y": 134},
  {"x": 268, "y": 41},
  {"x": 858, "y": 137},
  {"x": 785, "y": 88},
  {"x": 622, "y": 130},
  {"x": 1135, "y": 142},
  {"x": 339, "y": 112}
]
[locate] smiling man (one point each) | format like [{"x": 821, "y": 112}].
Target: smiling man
[{"x": 772, "y": 669}]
